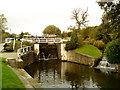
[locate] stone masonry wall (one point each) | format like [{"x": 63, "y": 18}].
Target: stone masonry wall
[
  {"x": 80, "y": 58},
  {"x": 29, "y": 58},
  {"x": 73, "y": 56}
]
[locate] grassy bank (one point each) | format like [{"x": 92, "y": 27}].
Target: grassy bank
[
  {"x": 89, "y": 50},
  {"x": 9, "y": 78},
  {"x": 16, "y": 41},
  {"x": 1, "y": 42}
]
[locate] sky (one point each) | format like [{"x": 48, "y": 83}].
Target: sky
[{"x": 34, "y": 15}]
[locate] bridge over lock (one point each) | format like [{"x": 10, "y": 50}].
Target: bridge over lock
[
  {"x": 46, "y": 43},
  {"x": 48, "y": 40},
  {"x": 42, "y": 39}
]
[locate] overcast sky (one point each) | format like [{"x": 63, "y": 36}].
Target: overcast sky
[{"x": 34, "y": 15}]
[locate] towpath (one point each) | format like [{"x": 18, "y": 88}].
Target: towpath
[
  {"x": 7, "y": 55},
  {"x": 19, "y": 72}
]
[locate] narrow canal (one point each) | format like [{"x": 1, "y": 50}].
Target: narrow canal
[{"x": 57, "y": 74}]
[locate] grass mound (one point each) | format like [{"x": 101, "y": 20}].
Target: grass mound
[
  {"x": 9, "y": 78},
  {"x": 89, "y": 50}
]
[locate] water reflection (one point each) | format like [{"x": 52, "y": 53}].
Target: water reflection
[{"x": 56, "y": 74}]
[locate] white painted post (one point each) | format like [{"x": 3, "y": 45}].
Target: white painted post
[
  {"x": 63, "y": 52},
  {"x": 27, "y": 49},
  {"x": 18, "y": 53},
  {"x": 14, "y": 44},
  {"x": 36, "y": 48},
  {"x": 23, "y": 50}
]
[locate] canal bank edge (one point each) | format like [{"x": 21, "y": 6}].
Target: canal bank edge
[{"x": 26, "y": 79}]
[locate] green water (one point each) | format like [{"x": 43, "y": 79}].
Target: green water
[{"x": 57, "y": 74}]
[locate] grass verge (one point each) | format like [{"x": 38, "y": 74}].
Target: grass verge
[
  {"x": 89, "y": 50},
  {"x": 1, "y": 42},
  {"x": 9, "y": 78},
  {"x": 16, "y": 41}
]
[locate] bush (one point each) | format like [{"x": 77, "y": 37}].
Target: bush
[
  {"x": 25, "y": 43},
  {"x": 74, "y": 37},
  {"x": 8, "y": 47},
  {"x": 99, "y": 44},
  {"x": 73, "y": 43},
  {"x": 70, "y": 45},
  {"x": 112, "y": 52}
]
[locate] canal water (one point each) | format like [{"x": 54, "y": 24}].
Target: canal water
[{"x": 57, "y": 74}]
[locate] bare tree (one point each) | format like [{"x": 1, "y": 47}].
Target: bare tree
[{"x": 81, "y": 17}]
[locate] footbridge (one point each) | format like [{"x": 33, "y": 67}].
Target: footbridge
[
  {"x": 48, "y": 40},
  {"x": 43, "y": 39},
  {"x": 46, "y": 46}
]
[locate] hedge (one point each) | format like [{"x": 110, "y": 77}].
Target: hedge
[{"x": 112, "y": 52}]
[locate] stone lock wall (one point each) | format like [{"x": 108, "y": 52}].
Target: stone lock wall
[
  {"x": 80, "y": 58},
  {"x": 29, "y": 58},
  {"x": 75, "y": 57}
]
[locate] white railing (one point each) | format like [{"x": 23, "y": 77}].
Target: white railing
[
  {"x": 23, "y": 50},
  {"x": 44, "y": 40}
]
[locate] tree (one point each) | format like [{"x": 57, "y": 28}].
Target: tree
[
  {"x": 102, "y": 32},
  {"x": 80, "y": 17},
  {"x": 51, "y": 29},
  {"x": 111, "y": 17},
  {"x": 73, "y": 43},
  {"x": 3, "y": 22},
  {"x": 21, "y": 35},
  {"x": 65, "y": 34},
  {"x": 3, "y": 27},
  {"x": 74, "y": 37},
  {"x": 13, "y": 35},
  {"x": 88, "y": 32},
  {"x": 5, "y": 35},
  {"x": 27, "y": 33}
]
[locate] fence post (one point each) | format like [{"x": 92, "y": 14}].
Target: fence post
[{"x": 27, "y": 49}]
